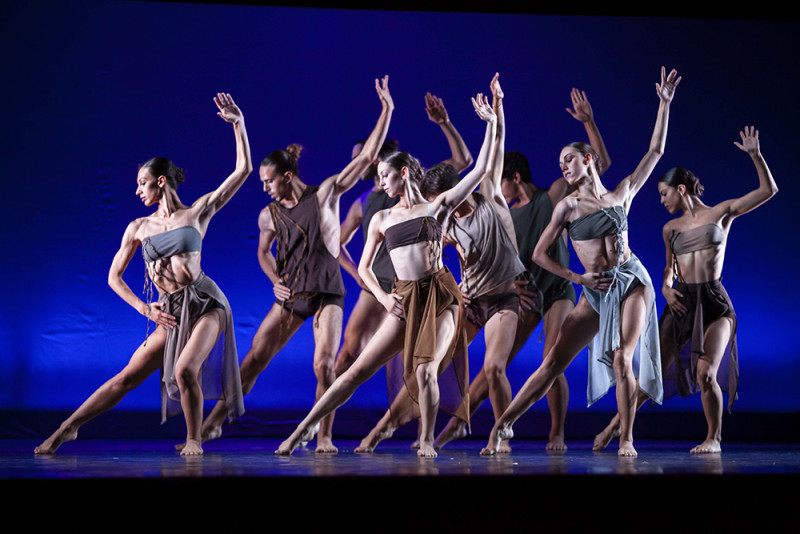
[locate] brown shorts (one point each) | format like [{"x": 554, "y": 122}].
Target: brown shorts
[
  {"x": 480, "y": 309},
  {"x": 305, "y": 305}
]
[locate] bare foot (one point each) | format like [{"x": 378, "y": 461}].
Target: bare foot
[
  {"x": 207, "y": 435},
  {"x": 709, "y": 446},
  {"x": 602, "y": 439},
  {"x": 426, "y": 450},
  {"x": 326, "y": 446},
  {"x": 287, "y": 447},
  {"x": 626, "y": 449},
  {"x": 504, "y": 447},
  {"x": 375, "y": 436},
  {"x": 556, "y": 444},
  {"x": 60, "y": 436},
  {"x": 414, "y": 445},
  {"x": 192, "y": 448},
  {"x": 455, "y": 429},
  {"x": 498, "y": 434}
]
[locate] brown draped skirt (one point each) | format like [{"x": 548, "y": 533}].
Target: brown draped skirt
[{"x": 423, "y": 302}]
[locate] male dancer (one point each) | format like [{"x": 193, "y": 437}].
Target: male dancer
[{"x": 303, "y": 222}]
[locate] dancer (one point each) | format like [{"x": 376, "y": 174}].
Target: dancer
[
  {"x": 425, "y": 307},
  {"x": 368, "y": 313},
  {"x": 698, "y": 325},
  {"x": 482, "y": 231},
  {"x": 543, "y": 295},
  {"x": 191, "y": 312},
  {"x": 617, "y": 303},
  {"x": 304, "y": 222}
]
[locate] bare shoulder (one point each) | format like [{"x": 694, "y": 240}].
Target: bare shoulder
[
  {"x": 265, "y": 219},
  {"x": 621, "y": 194},
  {"x": 670, "y": 226},
  {"x": 566, "y": 206},
  {"x": 138, "y": 229}
]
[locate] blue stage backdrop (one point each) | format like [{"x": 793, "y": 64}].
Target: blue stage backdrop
[{"x": 95, "y": 88}]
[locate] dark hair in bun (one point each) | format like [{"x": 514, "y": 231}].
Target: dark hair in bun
[
  {"x": 679, "y": 176},
  {"x": 398, "y": 160},
  {"x": 586, "y": 148},
  {"x": 165, "y": 167},
  {"x": 284, "y": 160}
]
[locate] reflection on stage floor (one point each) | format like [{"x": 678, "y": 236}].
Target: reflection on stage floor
[
  {"x": 241, "y": 480},
  {"x": 253, "y": 457}
]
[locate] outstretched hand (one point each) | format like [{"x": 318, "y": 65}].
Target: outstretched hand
[
  {"x": 382, "y": 87},
  {"x": 481, "y": 104},
  {"x": 228, "y": 110},
  {"x": 749, "y": 140},
  {"x": 435, "y": 109},
  {"x": 497, "y": 91},
  {"x": 581, "y": 108},
  {"x": 666, "y": 89}
]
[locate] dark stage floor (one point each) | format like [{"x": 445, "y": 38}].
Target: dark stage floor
[{"x": 749, "y": 487}]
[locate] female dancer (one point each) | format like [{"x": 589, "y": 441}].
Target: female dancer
[
  {"x": 483, "y": 233},
  {"x": 368, "y": 313},
  {"x": 543, "y": 295},
  {"x": 617, "y": 302},
  {"x": 191, "y": 312},
  {"x": 305, "y": 273},
  {"x": 425, "y": 307},
  {"x": 698, "y": 307}
]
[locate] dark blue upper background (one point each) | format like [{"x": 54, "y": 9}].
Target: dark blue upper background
[{"x": 94, "y": 88}]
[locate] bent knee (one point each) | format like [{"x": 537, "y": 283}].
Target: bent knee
[
  {"x": 186, "y": 377},
  {"x": 706, "y": 379},
  {"x": 323, "y": 368},
  {"x": 555, "y": 363},
  {"x": 426, "y": 374},
  {"x": 623, "y": 363},
  {"x": 493, "y": 370},
  {"x": 125, "y": 381}
]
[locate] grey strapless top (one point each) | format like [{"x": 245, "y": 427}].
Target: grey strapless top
[
  {"x": 699, "y": 238},
  {"x": 600, "y": 223},
  {"x": 171, "y": 242}
]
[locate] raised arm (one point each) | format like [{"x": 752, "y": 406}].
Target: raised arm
[
  {"x": 130, "y": 242},
  {"x": 460, "y": 157},
  {"x": 766, "y": 183},
  {"x": 665, "y": 91},
  {"x": 490, "y": 186},
  {"x": 211, "y": 203},
  {"x": 452, "y": 198},
  {"x": 266, "y": 237},
  {"x": 582, "y": 111},
  {"x": 349, "y": 176}
]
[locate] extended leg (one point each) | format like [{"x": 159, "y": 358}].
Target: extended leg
[
  {"x": 276, "y": 329},
  {"x": 363, "y": 322},
  {"x": 144, "y": 362},
  {"x": 558, "y": 396},
  {"x": 388, "y": 340},
  {"x": 576, "y": 332}
]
